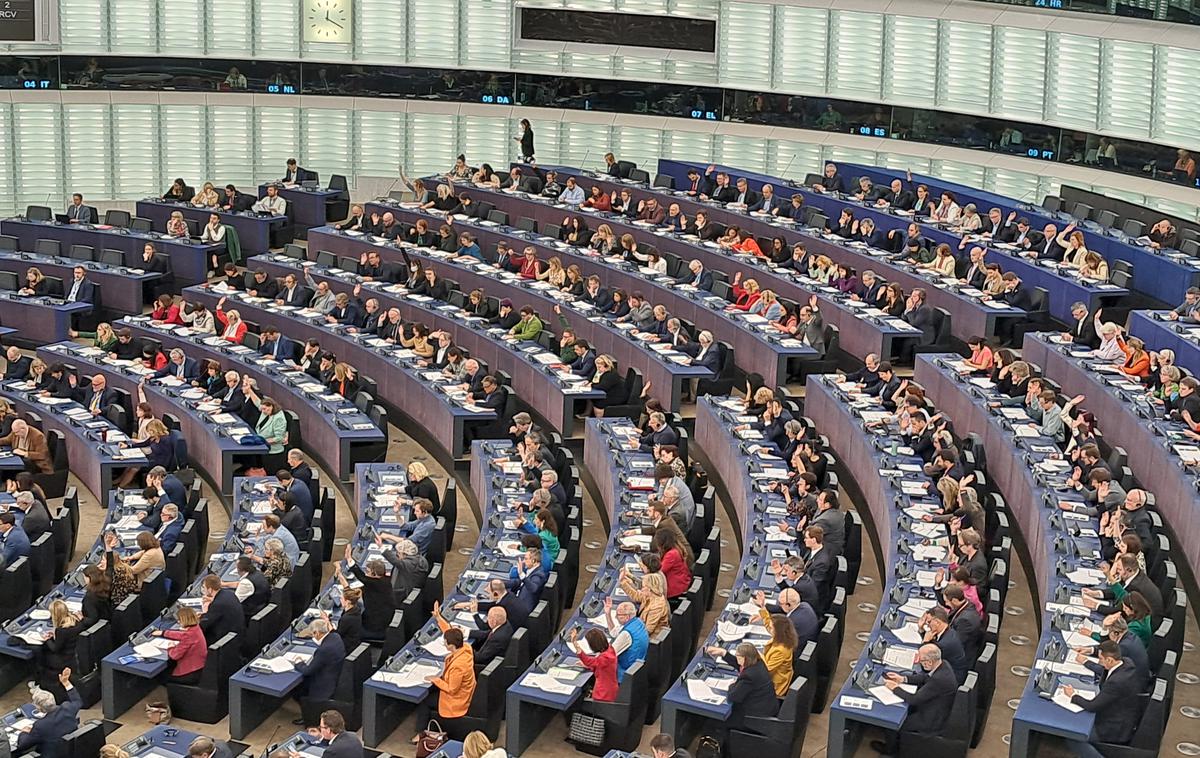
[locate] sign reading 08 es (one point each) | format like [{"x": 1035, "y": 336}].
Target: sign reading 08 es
[{"x": 17, "y": 21}]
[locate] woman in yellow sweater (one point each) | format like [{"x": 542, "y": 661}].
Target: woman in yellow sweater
[{"x": 777, "y": 655}]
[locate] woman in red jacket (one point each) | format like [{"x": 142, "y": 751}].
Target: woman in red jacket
[
  {"x": 674, "y": 565},
  {"x": 190, "y": 651},
  {"x": 233, "y": 329},
  {"x": 529, "y": 264},
  {"x": 166, "y": 311},
  {"x": 1137, "y": 360},
  {"x": 746, "y": 294},
  {"x": 602, "y": 663}
]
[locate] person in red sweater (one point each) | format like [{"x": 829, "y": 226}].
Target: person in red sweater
[
  {"x": 166, "y": 311},
  {"x": 190, "y": 651},
  {"x": 746, "y": 295},
  {"x": 674, "y": 565},
  {"x": 602, "y": 662},
  {"x": 529, "y": 264},
  {"x": 233, "y": 329}
]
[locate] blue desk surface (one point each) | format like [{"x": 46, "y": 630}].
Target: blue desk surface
[
  {"x": 251, "y": 505},
  {"x": 655, "y": 283},
  {"x": 971, "y": 316},
  {"x": 1064, "y": 289},
  {"x": 390, "y": 295},
  {"x": 1059, "y": 543},
  {"x": 1159, "y": 334},
  {"x": 378, "y": 487},
  {"x": 897, "y": 493},
  {"x": 184, "y": 398},
  {"x": 625, "y": 506},
  {"x": 348, "y": 420},
  {"x": 71, "y": 589},
  {"x": 1163, "y": 277},
  {"x": 163, "y": 739},
  {"x": 494, "y": 554}
]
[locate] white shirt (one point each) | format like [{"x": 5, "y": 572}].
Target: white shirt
[
  {"x": 273, "y": 205},
  {"x": 211, "y": 234}
]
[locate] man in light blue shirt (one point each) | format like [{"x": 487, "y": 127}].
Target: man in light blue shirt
[
  {"x": 272, "y": 528},
  {"x": 420, "y": 528},
  {"x": 573, "y": 194}
]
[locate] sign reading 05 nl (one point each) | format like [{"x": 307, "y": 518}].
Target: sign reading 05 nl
[{"x": 17, "y": 21}]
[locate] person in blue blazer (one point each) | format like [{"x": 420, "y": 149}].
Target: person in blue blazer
[
  {"x": 14, "y": 543},
  {"x": 585, "y": 360},
  {"x": 81, "y": 290},
  {"x": 275, "y": 345},
  {"x": 705, "y": 352},
  {"x": 170, "y": 528},
  {"x": 46, "y": 734},
  {"x": 179, "y": 365},
  {"x": 526, "y": 579},
  {"x": 320, "y": 673}
]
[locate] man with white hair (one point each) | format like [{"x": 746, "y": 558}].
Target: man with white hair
[
  {"x": 172, "y": 525},
  {"x": 45, "y": 735},
  {"x": 631, "y": 639},
  {"x": 930, "y": 705},
  {"x": 32, "y": 515},
  {"x": 320, "y": 673}
]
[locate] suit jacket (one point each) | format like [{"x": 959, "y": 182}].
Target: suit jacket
[
  {"x": 86, "y": 293},
  {"x": 822, "y": 568},
  {"x": 969, "y": 628},
  {"x": 37, "y": 451},
  {"x": 703, "y": 282},
  {"x": 84, "y": 214},
  {"x": 1018, "y": 297},
  {"x": 953, "y": 653},
  {"x": 1140, "y": 583},
  {"x": 1084, "y": 333},
  {"x": 922, "y": 318},
  {"x": 490, "y": 644},
  {"x": 344, "y": 745},
  {"x": 930, "y": 705},
  {"x": 321, "y": 673},
  {"x": 168, "y": 535},
  {"x": 299, "y": 297},
  {"x": 14, "y": 545},
  {"x": 1115, "y": 719},
  {"x": 224, "y": 615},
  {"x": 87, "y": 397},
  {"x": 752, "y": 694},
  {"x": 46, "y": 734},
  {"x": 191, "y": 370},
  {"x": 18, "y": 369}
]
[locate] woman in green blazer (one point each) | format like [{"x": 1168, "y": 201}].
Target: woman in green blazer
[{"x": 272, "y": 427}]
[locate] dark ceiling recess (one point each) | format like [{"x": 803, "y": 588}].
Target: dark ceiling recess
[{"x": 695, "y": 35}]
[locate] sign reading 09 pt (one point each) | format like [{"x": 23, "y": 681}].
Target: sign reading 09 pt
[
  {"x": 325, "y": 20},
  {"x": 17, "y": 21}
]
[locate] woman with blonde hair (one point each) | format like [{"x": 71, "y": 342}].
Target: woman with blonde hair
[
  {"x": 35, "y": 283},
  {"x": 1094, "y": 267},
  {"x": 1072, "y": 242},
  {"x": 554, "y": 272},
  {"x": 113, "y": 751},
  {"x": 822, "y": 269},
  {"x": 746, "y": 293},
  {"x": 207, "y": 197},
  {"x": 768, "y": 306},
  {"x": 477, "y": 745},
  {"x": 176, "y": 226},
  {"x": 603, "y": 240},
  {"x": 190, "y": 652},
  {"x": 58, "y": 647},
  {"x": 158, "y": 447},
  {"x": 233, "y": 329},
  {"x": 650, "y": 597}
]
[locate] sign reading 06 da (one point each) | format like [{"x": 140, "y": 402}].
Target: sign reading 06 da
[
  {"x": 325, "y": 20},
  {"x": 17, "y": 19}
]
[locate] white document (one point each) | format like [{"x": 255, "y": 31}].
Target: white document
[
  {"x": 701, "y": 692},
  {"x": 884, "y": 695}
]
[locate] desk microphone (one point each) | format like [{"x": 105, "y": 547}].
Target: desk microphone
[
  {"x": 399, "y": 169},
  {"x": 789, "y": 165},
  {"x": 583, "y": 163},
  {"x": 271, "y": 740}
]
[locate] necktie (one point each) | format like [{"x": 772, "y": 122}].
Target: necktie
[
  {"x": 74, "y": 292},
  {"x": 95, "y": 406}
]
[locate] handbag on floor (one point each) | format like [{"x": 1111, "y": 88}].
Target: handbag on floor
[
  {"x": 586, "y": 730},
  {"x": 158, "y": 713},
  {"x": 431, "y": 739},
  {"x": 708, "y": 748}
]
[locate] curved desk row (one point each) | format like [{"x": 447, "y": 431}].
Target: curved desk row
[
  {"x": 20, "y": 646},
  {"x": 38, "y": 320},
  {"x": 189, "y": 259},
  {"x": 970, "y": 316},
  {"x": 309, "y": 206},
  {"x": 664, "y": 371},
  {"x": 625, "y": 485},
  {"x": 130, "y": 672},
  {"x": 440, "y": 418},
  {"x": 173, "y": 742},
  {"x": 1137, "y": 426},
  {"x": 257, "y": 690},
  {"x": 759, "y": 348},
  {"x": 334, "y": 431},
  {"x": 1063, "y": 285},
  {"x": 860, "y": 333},
  {"x": 213, "y": 442},
  {"x": 896, "y": 493},
  {"x": 1163, "y": 276},
  {"x": 118, "y": 288},
  {"x": 91, "y": 442},
  {"x": 747, "y": 478},
  {"x": 395, "y": 690},
  {"x": 544, "y": 384},
  {"x": 1063, "y": 546},
  {"x": 254, "y": 232},
  {"x": 1159, "y": 334}
]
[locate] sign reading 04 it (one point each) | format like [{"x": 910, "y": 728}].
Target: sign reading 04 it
[{"x": 17, "y": 19}]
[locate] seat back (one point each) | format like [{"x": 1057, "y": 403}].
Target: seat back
[
  {"x": 82, "y": 252},
  {"x": 117, "y": 218},
  {"x": 86, "y": 741}
]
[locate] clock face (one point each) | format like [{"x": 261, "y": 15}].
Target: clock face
[{"x": 326, "y": 20}]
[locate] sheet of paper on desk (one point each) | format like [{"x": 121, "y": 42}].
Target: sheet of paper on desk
[
  {"x": 547, "y": 683},
  {"x": 727, "y": 631},
  {"x": 928, "y": 552},
  {"x": 1086, "y": 577},
  {"x": 884, "y": 695},
  {"x": 699, "y": 691},
  {"x": 1060, "y": 698},
  {"x": 926, "y": 578},
  {"x": 908, "y": 634},
  {"x": 1064, "y": 667},
  {"x": 916, "y": 606},
  {"x": 1070, "y": 609},
  {"x": 150, "y": 650},
  {"x": 563, "y": 674},
  {"x": 1075, "y": 639},
  {"x": 640, "y": 541},
  {"x": 874, "y": 417},
  {"x": 914, "y": 488},
  {"x": 899, "y": 656}
]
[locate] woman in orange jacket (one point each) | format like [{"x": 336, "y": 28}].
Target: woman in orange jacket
[
  {"x": 1137, "y": 360},
  {"x": 453, "y": 690}
]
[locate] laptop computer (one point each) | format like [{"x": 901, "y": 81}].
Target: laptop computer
[{"x": 62, "y": 218}]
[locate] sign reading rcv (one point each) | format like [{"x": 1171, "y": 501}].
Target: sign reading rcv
[{"x": 17, "y": 21}]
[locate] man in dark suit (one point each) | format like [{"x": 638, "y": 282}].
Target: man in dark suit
[
  {"x": 920, "y": 316},
  {"x": 697, "y": 276},
  {"x": 274, "y": 345},
  {"x": 1015, "y": 293},
  {"x": 699, "y": 184},
  {"x": 1044, "y": 246},
  {"x": 1132, "y": 648},
  {"x": 46, "y": 734},
  {"x": 302, "y": 472},
  {"x": 18, "y": 365},
  {"x": 595, "y": 295},
  {"x": 938, "y": 632},
  {"x": 231, "y": 396},
  {"x": 1083, "y": 331},
  {"x": 999, "y": 228},
  {"x": 340, "y": 743},
  {"x": 1025, "y": 237},
  {"x": 976, "y": 273},
  {"x": 96, "y": 397},
  {"x": 207, "y": 747},
  {"x": 490, "y": 640},
  {"x": 930, "y": 705},
  {"x": 320, "y": 673},
  {"x": 222, "y": 613},
  {"x": 498, "y": 596},
  {"x": 1116, "y": 720},
  {"x": 263, "y": 284},
  {"x": 1133, "y": 579},
  {"x": 78, "y": 213},
  {"x": 170, "y": 528},
  {"x": 81, "y": 290},
  {"x": 295, "y": 174},
  {"x": 179, "y": 366},
  {"x": 821, "y": 566},
  {"x": 899, "y": 198},
  {"x": 33, "y": 516},
  {"x": 964, "y": 622},
  {"x": 472, "y": 380},
  {"x": 236, "y": 201},
  {"x": 527, "y": 578},
  {"x": 169, "y": 485},
  {"x": 743, "y": 195},
  {"x": 798, "y": 611},
  {"x": 768, "y": 203},
  {"x": 293, "y": 293},
  {"x": 658, "y": 432}
]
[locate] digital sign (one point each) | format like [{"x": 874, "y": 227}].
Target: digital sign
[{"x": 17, "y": 19}]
